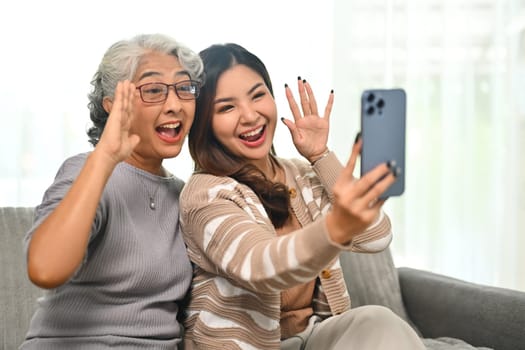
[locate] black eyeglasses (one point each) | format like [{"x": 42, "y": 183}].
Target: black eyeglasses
[{"x": 158, "y": 92}]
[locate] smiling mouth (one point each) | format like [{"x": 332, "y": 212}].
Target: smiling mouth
[
  {"x": 253, "y": 135},
  {"x": 171, "y": 130}
]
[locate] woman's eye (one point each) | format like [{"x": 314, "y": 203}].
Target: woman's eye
[
  {"x": 258, "y": 95},
  {"x": 153, "y": 91},
  {"x": 225, "y": 108}
]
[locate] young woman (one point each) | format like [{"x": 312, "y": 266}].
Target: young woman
[
  {"x": 265, "y": 232},
  {"x": 106, "y": 240}
]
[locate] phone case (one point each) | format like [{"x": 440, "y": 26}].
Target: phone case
[{"x": 383, "y": 125}]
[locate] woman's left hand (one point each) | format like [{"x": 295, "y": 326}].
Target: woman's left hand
[{"x": 309, "y": 131}]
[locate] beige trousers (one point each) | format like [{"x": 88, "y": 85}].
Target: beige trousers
[{"x": 369, "y": 327}]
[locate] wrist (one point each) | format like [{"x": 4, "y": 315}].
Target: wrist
[
  {"x": 336, "y": 233},
  {"x": 318, "y": 157},
  {"x": 102, "y": 161}
]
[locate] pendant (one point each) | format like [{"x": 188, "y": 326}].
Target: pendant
[{"x": 151, "y": 203}]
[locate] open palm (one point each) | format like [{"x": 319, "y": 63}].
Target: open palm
[
  {"x": 116, "y": 140},
  {"x": 309, "y": 130}
]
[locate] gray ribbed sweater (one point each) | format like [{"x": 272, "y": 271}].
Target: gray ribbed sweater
[{"x": 136, "y": 269}]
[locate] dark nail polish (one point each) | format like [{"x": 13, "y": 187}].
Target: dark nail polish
[
  {"x": 395, "y": 171},
  {"x": 282, "y": 119},
  {"x": 357, "y": 137},
  {"x": 391, "y": 164},
  {"x": 285, "y": 86},
  {"x": 299, "y": 78},
  {"x": 304, "y": 81},
  {"x": 332, "y": 91}
]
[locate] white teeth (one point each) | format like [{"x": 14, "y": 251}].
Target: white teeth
[
  {"x": 171, "y": 126},
  {"x": 253, "y": 133}
]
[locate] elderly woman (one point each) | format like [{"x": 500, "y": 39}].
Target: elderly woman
[{"x": 106, "y": 240}]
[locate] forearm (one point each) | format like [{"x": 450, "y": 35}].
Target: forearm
[
  {"x": 328, "y": 169},
  {"x": 227, "y": 240},
  {"x": 365, "y": 239},
  {"x": 376, "y": 237},
  {"x": 59, "y": 243},
  {"x": 277, "y": 263}
]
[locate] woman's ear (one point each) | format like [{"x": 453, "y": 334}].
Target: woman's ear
[{"x": 107, "y": 103}]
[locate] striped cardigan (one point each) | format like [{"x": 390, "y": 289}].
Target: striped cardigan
[{"x": 241, "y": 265}]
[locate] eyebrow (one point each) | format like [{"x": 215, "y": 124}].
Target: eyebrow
[
  {"x": 155, "y": 73},
  {"x": 226, "y": 99}
]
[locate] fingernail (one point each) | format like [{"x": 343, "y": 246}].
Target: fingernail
[
  {"x": 304, "y": 81},
  {"x": 332, "y": 91},
  {"x": 357, "y": 137},
  {"x": 299, "y": 78},
  {"x": 282, "y": 119},
  {"x": 391, "y": 164},
  {"x": 395, "y": 171},
  {"x": 285, "y": 86}
]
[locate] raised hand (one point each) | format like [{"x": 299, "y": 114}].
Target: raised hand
[
  {"x": 356, "y": 204},
  {"x": 309, "y": 131},
  {"x": 116, "y": 140},
  {"x": 59, "y": 244}
]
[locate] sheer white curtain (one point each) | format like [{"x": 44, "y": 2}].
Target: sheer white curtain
[{"x": 462, "y": 64}]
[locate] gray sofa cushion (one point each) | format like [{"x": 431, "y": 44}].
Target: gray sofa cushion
[
  {"x": 372, "y": 279},
  {"x": 18, "y": 296},
  {"x": 445, "y": 343}
]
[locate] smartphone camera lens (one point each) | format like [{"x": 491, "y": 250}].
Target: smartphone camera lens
[
  {"x": 370, "y": 110},
  {"x": 380, "y": 103},
  {"x": 370, "y": 98}
]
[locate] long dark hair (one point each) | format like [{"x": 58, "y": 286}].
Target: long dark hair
[{"x": 210, "y": 155}]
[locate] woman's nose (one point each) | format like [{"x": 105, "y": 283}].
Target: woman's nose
[
  {"x": 173, "y": 101},
  {"x": 249, "y": 114}
]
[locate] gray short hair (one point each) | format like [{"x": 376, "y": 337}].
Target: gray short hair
[{"x": 120, "y": 62}]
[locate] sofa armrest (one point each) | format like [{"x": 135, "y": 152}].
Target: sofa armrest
[{"x": 441, "y": 306}]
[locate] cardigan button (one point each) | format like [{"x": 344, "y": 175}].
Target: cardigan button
[
  {"x": 326, "y": 274},
  {"x": 292, "y": 192}
]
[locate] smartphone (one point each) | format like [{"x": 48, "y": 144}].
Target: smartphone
[{"x": 383, "y": 124}]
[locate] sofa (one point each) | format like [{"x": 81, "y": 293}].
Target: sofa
[{"x": 447, "y": 313}]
